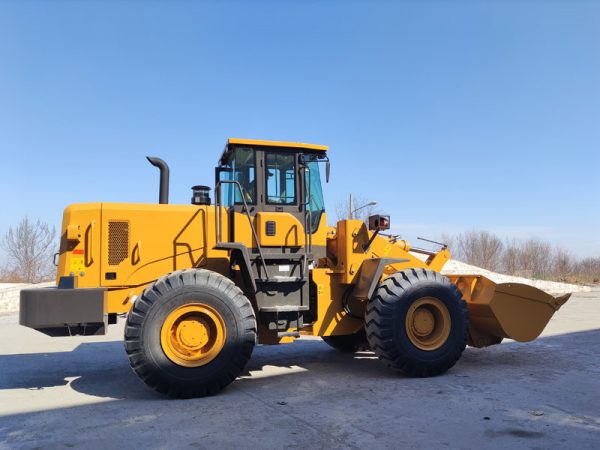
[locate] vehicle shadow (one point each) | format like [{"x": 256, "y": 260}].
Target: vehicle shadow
[{"x": 101, "y": 368}]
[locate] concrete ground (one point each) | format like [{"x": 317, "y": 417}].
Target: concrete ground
[{"x": 80, "y": 392}]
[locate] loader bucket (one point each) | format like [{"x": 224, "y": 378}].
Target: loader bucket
[{"x": 507, "y": 310}]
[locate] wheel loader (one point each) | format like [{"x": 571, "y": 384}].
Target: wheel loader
[{"x": 202, "y": 284}]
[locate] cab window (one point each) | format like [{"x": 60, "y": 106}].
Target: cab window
[
  {"x": 316, "y": 203},
  {"x": 243, "y": 170},
  {"x": 280, "y": 178}
]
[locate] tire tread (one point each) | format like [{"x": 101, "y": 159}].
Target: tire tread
[
  {"x": 149, "y": 299},
  {"x": 379, "y": 323}
]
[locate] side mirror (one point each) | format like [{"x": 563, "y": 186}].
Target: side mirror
[
  {"x": 379, "y": 223},
  {"x": 327, "y": 170}
]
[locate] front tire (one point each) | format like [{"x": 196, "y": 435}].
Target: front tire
[
  {"x": 190, "y": 333},
  {"x": 417, "y": 322}
]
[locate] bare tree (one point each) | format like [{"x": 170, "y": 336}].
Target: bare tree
[
  {"x": 342, "y": 208},
  {"x": 587, "y": 270},
  {"x": 479, "y": 248},
  {"x": 562, "y": 264},
  {"x": 29, "y": 247},
  {"x": 532, "y": 258},
  {"x": 511, "y": 257},
  {"x": 450, "y": 242},
  {"x": 535, "y": 258}
]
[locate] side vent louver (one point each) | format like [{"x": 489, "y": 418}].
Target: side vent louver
[{"x": 118, "y": 242}]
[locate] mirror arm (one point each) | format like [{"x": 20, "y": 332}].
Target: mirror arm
[{"x": 367, "y": 246}]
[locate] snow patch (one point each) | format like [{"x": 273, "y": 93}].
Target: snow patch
[
  {"x": 9, "y": 295},
  {"x": 454, "y": 267}
]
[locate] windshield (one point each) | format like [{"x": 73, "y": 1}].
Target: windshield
[{"x": 316, "y": 204}]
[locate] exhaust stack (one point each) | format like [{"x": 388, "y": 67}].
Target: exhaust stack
[{"x": 163, "y": 193}]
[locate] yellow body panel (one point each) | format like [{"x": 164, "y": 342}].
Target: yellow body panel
[
  {"x": 291, "y": 229},
  {"x": 119, "y": 300},
  {"x": 331, "y": 317},
  {"x": 289, "y": 232},
  {"x": 319, "y": 237},
  {"x": 281, "y": 144},
  {"x": 81, "y": 252},
  {"x": 160, "y": 239},
  {"x": 242, "y": 230},
  {"x": 347, "y": 251}
]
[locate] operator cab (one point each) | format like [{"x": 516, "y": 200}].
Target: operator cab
[{"x": 272, "y": 177}]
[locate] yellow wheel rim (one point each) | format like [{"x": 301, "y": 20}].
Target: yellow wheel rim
[
  {"x": 428, "y": 323},
  {"x": 193, "y": 335}
]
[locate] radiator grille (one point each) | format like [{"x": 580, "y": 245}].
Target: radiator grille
[{"x": 118, "y": 242}]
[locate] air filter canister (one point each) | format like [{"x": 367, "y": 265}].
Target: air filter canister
[{"x": 200, "y": 195}]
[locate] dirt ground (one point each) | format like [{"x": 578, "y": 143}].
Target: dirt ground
[{"x": 80, "y": 392}]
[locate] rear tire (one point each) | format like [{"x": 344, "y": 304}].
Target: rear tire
[
  {"x": 417, "y": 323},
  {"x": 190, "y": 333},
  {"x": 349, "y": 343}
]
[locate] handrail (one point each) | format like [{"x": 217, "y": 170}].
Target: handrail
[
  {"x": 218, "y": 229},
  {"x": 308, "y": 228},
  {"x": 88, "y": 243},
  {"x": 307, "y": 218}
]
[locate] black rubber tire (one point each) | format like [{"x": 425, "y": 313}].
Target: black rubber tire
[
  {"x": 145, "y": 319},
  {"x": 386, "y": 322},
  {"x": 349, "y": 343}
]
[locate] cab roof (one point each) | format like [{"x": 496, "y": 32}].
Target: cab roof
[{"x": 281, "y": 144}]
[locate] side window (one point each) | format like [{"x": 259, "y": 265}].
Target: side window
[
  {"x": 242, "y": 165},
  {"x": 281, "y": 178},
  {"x": 316, "y": 204},
  {"x": 244, "y": 174}
]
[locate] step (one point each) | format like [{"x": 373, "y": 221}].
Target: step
[
  {"x": 281, "y": 256},
  {"x": 281, "y": 334},
  {"x": 281, "y": 279},
  {"x": 285, "y": 308}
]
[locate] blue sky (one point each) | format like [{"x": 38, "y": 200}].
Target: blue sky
[{"x": 452, "y": 115}]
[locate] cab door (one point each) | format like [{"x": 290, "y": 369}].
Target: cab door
[
  {"x": 239, "y": 199},
  {"x": 280, "y": 221}
]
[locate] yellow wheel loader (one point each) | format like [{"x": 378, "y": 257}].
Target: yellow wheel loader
[{"x": 201, "y": 284}]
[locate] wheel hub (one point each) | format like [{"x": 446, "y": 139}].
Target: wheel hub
[
  {"x": 428, "y": 323},
  {"x": 423, "y": 322},
  {"x": 193, "y": 335}
]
